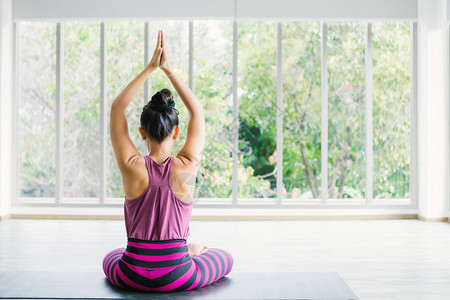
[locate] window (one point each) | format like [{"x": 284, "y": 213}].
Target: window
[
  {"x": 346, "y": 111},
  {"x": 213, "y": 85},
  {"x": 391, "y": 110},
  {"x": 205, "y": 49},
  {"x": 81, "y": 125},
  {"x": 124, "y": 59},
  {"x": 302, "y": 112},
  {"x": 257, "y": 91},
  {"x": 37, "y": 110}
]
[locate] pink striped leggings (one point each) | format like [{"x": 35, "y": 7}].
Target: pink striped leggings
[{"x": 164, "y": 266}]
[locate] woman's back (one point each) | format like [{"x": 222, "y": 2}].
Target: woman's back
[
  {"x": 182, "y": 177},
  {"x": 158, "y": 213}
]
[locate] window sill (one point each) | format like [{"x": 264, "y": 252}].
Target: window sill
[{"x": 199, "y": 213}]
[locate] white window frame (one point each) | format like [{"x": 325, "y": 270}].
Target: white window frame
[{"x": 324, "y": 201}]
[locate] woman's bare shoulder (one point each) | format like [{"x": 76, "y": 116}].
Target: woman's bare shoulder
[
  {"x": 136, "y": 179},
  {"x": 183, "y": 178},
  {"x": 181, "y": 164},
  {"x": 137, "y": 167}
]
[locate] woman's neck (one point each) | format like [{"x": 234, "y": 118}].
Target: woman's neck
[{"x": 159, "y": 152}]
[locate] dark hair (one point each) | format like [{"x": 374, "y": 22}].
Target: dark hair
[{"x": 159, "y": 116}]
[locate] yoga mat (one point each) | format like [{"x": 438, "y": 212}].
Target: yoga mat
[{"x": 236, "y": 285}]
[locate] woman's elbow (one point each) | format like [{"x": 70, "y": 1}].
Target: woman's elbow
[
  {"x": 118, "y": 105},
  {"x": 198, "y": 112}
]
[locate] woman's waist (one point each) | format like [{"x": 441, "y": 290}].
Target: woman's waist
[
  {"x": 156, "y": 254},
  {"x": 157, "y": 246},
  {"x": 165, "y": 241}
]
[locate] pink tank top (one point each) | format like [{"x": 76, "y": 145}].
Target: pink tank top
[{"x": 157, "y": 214}]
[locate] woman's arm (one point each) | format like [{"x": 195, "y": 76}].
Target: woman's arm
[
  {"x": 124, "y": 150},
  {"x": 195, "y": 140}
]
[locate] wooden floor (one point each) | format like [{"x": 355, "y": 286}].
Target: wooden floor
[{"x": 379, "y": 259}]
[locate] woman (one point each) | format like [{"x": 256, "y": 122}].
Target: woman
[{"x": 159, "y": 192}]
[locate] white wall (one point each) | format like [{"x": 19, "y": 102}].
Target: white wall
[
  {"x": 448, "y": 88},
  {"x": 5, "y": 106},
  {"x": 448, "y": 11},
  {"x": 241, "y": 9},
  {"x": 433, "y": 71},
  {"x": 433, "y": 109}
]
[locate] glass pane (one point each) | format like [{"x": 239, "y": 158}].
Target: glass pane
[
  {"x": 37, "y": 106},
  {"x": 302, "y": 111},
  {"x": 125, "y": 60},
  {"x": 257, "y": 111},
  {"x": 213, "y": 67},
  {"x": 346, "y": 111},
  {"x": 391, "y": 110},
  {"x": 81, "y": 151}
]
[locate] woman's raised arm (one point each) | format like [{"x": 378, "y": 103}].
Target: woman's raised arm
[
  {"x": 124, "y": 150},
  {"x": 195, "y": 140}
]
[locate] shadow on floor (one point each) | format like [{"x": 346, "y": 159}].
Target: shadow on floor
[{"x": 204, "y": 292}]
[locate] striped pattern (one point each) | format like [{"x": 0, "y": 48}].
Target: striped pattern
[{"x": 164, "y": 266}]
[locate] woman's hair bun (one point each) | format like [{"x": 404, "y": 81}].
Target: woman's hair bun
[
  {"x": 159, "y": 115},
  {"x": 163, "y": 101},
  {"x": 167, "y": 96}
]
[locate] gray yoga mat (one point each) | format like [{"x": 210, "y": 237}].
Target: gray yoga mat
[{"x": 236, "y": 285}]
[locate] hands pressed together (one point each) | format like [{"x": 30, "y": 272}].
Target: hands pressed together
[{"x": 159, "y": 59}]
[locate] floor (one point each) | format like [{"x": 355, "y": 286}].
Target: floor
[{"x": 378, "y": 259}]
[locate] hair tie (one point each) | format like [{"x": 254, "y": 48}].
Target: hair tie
[{"x": 157, "y": 102}]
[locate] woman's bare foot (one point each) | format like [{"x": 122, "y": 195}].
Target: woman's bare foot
[{"x": 196, "y": 249}]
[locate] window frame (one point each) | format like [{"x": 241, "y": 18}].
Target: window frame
[{"x": 114, "y": 202}]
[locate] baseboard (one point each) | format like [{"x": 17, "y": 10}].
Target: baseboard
[
  {"x": 5, "y": 217},
  {"x": 234, "y": 218},
  {"x": 304, "y": 217},
  {"x": 440, "y": 219},
  {"x": 218, "y": 214},
  {"x": 222, "y": 218},
  {"x": 66, "y": 217}
]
